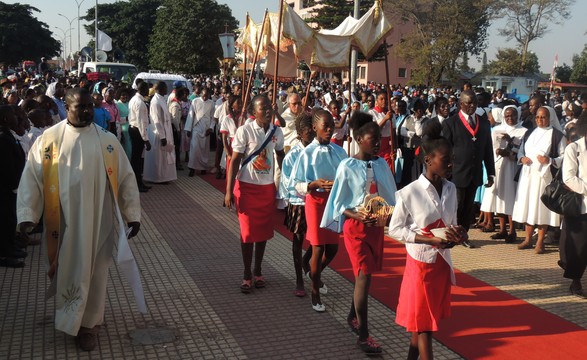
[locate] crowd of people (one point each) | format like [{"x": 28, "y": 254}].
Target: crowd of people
[{"x": 336, "y": 161}]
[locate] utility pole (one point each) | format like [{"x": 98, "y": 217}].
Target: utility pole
[
  {"x": 353, "y": 72},
  {"x": 70, "y": 28}
]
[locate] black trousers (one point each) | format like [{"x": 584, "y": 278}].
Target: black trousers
[
  {"x": 466, "y": 200},
  {"x": 176, "y": 141},
  {"x": 573, "y": 246},
  {"x": 7, "y": 222},
  {"x": 136, "y": 160}
]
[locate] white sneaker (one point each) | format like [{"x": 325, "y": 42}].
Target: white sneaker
[
  {"x": 323, "y": 289},
  {"x": 319, "y": 307}
]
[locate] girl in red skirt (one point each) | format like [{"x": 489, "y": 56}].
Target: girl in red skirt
[
  {"x": 312, "y": 176},
  {"x": 359, "y": 179},
  {"x": 295, "y": 216},
  {"x": 428, "y": 203},
  {"x": 249, "y": 184}
]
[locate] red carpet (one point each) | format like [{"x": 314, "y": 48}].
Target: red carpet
[{"x": 486, "y": 323}]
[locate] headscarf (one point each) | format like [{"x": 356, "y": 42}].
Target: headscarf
[
  {"x": 497, "y": 115},
  {"x": 502, "y": 116},
  {"x": 554, "y": 121},
  {"x": 97, "y": 87}
]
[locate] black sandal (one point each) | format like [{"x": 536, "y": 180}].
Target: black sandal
[{"x": 499, "y": 236}]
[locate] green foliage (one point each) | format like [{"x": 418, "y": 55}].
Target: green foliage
[
  {"x": 22, "y": 36},
  {"x": 442, "y": 31},
  {"x": 129, "y": 24},
  {"x": 579, "y": 74},
  {"x": 508, "y": 62},
  {"x": 563, "y": 73},
  {"x": 185, "y": 38}
]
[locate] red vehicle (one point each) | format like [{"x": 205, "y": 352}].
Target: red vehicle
[
  {"x": 29, "y": 65},
  {"x": 98, "y": 76}
]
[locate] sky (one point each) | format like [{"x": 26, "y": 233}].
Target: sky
[{"x": 565, "y": 40}]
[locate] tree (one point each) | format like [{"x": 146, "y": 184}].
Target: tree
[
  {"x": 22, "y": 36},
  {"x": 563, "y": 73},
  {"x": 508, "y": 62},
  {"x": 579, "y": 74},
  {"x": 442, "y": 32},
  {"x": 528, "y": 20},
  {"x": 129, "y": 24},
  {"x": 185, "y": 38}
]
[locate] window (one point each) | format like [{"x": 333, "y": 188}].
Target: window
[
  {"x": 401, "y": 73},
  {"x": 362, "y": 71}
]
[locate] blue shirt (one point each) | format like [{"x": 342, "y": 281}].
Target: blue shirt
[{"x": 101, "y": 117}]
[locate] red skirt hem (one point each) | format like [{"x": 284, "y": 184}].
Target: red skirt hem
[
  {"x": 255, "y": 206},
  {"x": 424, "y": 297},
  {"x": 364, "y": 245}
]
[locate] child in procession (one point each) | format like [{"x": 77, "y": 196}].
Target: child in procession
[
  {"x": 295, "y": 216},
  {"x": 312, "y": 177},
  {"x": 360, "y": 178},
  {"x": 428, "y": 203}
]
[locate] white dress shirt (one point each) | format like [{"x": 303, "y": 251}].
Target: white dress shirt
[
  {"x": 417, "y": 206},
  {"x": 138, "y": 115}
]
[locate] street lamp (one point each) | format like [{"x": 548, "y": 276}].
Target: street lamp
[
  {"x": 79, "y": 4},
  {"x": 70, "y": 28},
  {"x": 63, "y": 43}
]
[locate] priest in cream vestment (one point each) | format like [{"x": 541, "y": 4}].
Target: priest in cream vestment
[{"x": 72, "y": 176}]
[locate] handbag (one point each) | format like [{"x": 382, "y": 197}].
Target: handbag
[{"x": 559, "y": 198}]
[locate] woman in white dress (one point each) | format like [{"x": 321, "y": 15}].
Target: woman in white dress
[
  {"x": 542, "y": 148},
  {"x": 507, "y": 137}
]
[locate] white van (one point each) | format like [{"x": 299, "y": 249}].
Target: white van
[
  {"x": 169, "y": 79},
  {"x": 118, "y": 71}
]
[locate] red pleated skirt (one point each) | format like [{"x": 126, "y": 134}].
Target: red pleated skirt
[
  {"x": 255, "y": 206},
  {"x": 315, "y": 204},
  {"x": 424, "y": 297},
  {"x": 364, "y": 245}
]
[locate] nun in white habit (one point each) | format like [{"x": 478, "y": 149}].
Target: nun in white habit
[
  {"x": 507, "y": 137},
  {"x": 537, "y": 156}
]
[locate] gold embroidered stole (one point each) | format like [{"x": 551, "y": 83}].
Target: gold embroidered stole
[{"x": 52, "y": 206}]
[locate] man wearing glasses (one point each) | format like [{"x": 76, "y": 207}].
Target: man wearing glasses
[{"x": 294, "y": 108}]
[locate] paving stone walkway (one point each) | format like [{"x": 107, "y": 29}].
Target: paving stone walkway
[{"x": 189, "y": 256}]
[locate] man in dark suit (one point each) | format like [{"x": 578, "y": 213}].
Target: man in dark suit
[{"x": 470, "y": 136}]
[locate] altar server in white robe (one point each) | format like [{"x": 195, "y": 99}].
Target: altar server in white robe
[
  {"x": 160, "y": 161},
  {"x": 542, "y": 148},
  {"x": 199, "y": 126},
  {"x": 76, "y": 176}
]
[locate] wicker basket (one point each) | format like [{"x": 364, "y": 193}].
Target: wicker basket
[{"x": 377, "y": 207}]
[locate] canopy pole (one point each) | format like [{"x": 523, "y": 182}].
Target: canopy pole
[
  {"x": 350, "y": 105},
  {"x": 245, "y": 64},
  {"x": 276, "y": 69},
  {"x": 255, "y": 58},
  {"x": 389, "y": 109},
  {"x": 307, "y": 97}
]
